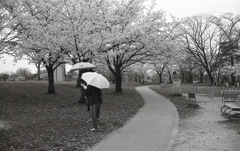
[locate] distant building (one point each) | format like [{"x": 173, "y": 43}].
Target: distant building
[{"x": 60, "y": 73}]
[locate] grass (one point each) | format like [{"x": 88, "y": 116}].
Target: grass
[{"x": 44, "y": 122}]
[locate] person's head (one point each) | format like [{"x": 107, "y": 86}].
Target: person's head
[{"x": 83, "y": 83}]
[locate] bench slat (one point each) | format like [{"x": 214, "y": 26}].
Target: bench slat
[
  {"x": 232, "y": 106},
  {"x": 229, "y": 94}
]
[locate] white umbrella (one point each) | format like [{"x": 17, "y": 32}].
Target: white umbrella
[
  {"x": 82, "y": 65},
  {"x": 95, "y": 79}
]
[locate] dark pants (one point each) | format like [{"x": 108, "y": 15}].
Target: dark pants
[{"x": 95, "y": 114}]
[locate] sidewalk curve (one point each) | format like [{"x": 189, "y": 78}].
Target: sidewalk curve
[{"x": 150, "y": 129}]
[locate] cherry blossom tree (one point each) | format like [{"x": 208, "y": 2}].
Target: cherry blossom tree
[
  {"x": 39, "y": 34},
  {"x": 164, "y": 55},
  {"x": 127, "y": 34},
  {"x": 143, "y": 70},
  {"x": 56, "y": 32},
  {"x": 118, "y": 32},
  {"x": 82, "y": 22},
  {"x": 8, "y": 29}
]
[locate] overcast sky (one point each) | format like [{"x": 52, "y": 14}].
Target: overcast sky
[
  {"x": 183, "y": 8},
  {"x": 178, "y": 8}
]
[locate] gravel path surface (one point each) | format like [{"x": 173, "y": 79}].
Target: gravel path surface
[{"x": 207, "y": 130}]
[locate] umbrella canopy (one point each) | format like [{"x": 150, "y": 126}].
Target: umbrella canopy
[
  {"x": 82, "y": 65},
  {"x": 95, "y": 79}
]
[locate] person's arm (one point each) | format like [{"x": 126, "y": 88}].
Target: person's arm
[
  {"x": 88, "y": 91},
  {"x": 83, "y": 85}
]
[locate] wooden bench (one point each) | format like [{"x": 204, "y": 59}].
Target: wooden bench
[
  {"x": 229, "y": 95},
  {"x": 231, "y": 109}
]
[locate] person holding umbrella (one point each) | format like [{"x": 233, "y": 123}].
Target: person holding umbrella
[
  {"x": 83, "y": 67},
  {"x": 95, "y": 82},
  {"x": 94, "y": 101}
]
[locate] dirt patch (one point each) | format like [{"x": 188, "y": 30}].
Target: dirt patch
[
  {"x": 206, "y": 129},
  {"x": 194, "y": 106}
]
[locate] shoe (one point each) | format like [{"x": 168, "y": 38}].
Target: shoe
[
  {"x": 93, "y": 129},
  {"x": 89, "y": 121}
]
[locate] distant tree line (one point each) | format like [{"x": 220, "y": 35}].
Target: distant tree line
[{"x": 22, "y": 74}]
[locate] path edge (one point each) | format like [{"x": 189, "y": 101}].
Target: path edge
[{"x": 175, "y": 127}]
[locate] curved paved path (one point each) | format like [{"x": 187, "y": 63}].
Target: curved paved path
[{"x": 150, "y": 129}]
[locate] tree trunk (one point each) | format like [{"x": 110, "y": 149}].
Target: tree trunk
[
  {"x": 210, "y": 76},
  {"x": 38, "y": 72},
  {"x": 183, "y": 77},
  {"x": 136, "y": 78},
  {"x": 139, "y": 79},
  {"x": 51, "y": 89},
  {"x": 223, "y": 79},
  {"x": 118, "y": 84},
  {"x": 169, "y": 76},
  {"x": 82, "y": 99},
  {"x": 142, "y": 77},
  {"x": 160, "y": 78},
  {"x": 190, "y": 78},
  {"x": 233, "y": 79},
  {"x": 118, "y": 77}
]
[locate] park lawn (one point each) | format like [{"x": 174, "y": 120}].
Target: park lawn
[{"x": 43, "y": 122}]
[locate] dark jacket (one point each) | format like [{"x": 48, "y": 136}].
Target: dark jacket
[{"x": 94, "y": 95}]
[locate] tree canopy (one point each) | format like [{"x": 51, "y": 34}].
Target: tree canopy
[{"x": 114, "y": 33}]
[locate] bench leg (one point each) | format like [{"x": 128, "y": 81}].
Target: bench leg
[
  {"x": 223, "y": 107},
  {"x": 229, "y": 115},
  {"x": 236, "y": 114},
  {"x": 226, "y": 110}
]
